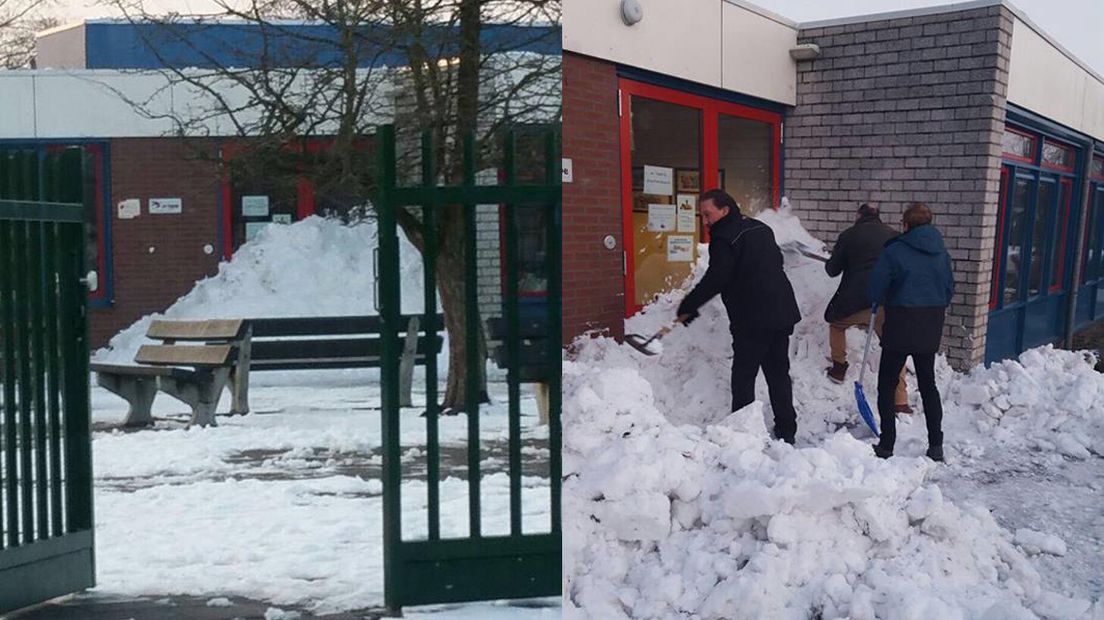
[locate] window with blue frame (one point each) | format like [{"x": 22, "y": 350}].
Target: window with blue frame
[
  {"x": 1091, "y": 266},
  {"x": 1034, "y": 222}
]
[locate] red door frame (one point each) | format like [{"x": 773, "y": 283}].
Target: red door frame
[
  {"x": 711, "y": 109},
  {"x": 304, "y": 189}
]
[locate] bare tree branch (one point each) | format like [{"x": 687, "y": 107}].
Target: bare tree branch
[{"x": 446, "y": 67}]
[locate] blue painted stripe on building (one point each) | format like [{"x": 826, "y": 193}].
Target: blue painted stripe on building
[{"x": 122, "y": 45}]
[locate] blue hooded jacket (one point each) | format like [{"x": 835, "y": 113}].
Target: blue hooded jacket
[{"x": 914, "y": 271}]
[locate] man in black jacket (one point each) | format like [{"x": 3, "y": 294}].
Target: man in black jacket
[
  {"x": 745, "y": 268},
  {"x": 854, "y": 255}
]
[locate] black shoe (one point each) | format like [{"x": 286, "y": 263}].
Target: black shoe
[
  {"x": 935, "y": 453},
  {"x": 882, "y": 453},
  {"x": 777, "y": 434}
]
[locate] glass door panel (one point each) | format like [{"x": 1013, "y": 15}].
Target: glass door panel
[
  {"x": 744, "y": 149},
  {"x": 666, "y": 146}
]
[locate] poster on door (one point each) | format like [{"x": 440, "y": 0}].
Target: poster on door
[
  {"x": 661, "y": 218},
  {"x": 687, "y": 213},
  {"x": 680, "y": 249}
]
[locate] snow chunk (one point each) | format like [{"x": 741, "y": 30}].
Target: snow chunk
[
  {"x": 222, "y": 601},
  {"x": 1053, "y": 606},
  {"x": 1037, "y": 542}
]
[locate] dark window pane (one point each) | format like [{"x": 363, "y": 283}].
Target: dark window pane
[
  {"x": 1017, "y": 214},
  {"x": 744, "y": 154},
  {"x": 1058, "y": 247},
  {"x": 1057, "y": 155},
  {"x": 1044, "y": 211},
  {"x": 1098, "y": 167},
  {"x": 1091, "y": 266},
  {"x": 666, "y": 144},
  {"x": 1017, "y": 144}
]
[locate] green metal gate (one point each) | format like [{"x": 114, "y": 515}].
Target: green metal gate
[
  {"x": 45, "y": 443},
  {"x": 474, "y": 567}
]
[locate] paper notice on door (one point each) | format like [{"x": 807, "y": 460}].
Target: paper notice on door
[
  {"x": 661, "y": 218},
  {"x": 687, "y": 213},
  {"x": 680, "y": 249},
  {"x": 659, "y": 181}
]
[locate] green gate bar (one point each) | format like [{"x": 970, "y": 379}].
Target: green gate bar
[
  {"x": 471, "y": 329},
  {"x": 429, "y": 285},
  {"x": 474, "y": 567},
  {"x": 513, "y": 361}
]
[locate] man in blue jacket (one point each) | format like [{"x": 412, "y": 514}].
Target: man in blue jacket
[{"x": 914, "y": 283}]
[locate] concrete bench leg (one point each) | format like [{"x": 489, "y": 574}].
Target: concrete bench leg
[
  {"x": 139, "y": 393},
  {"x": 239, "y": 377},
  {"x": 201, "y": 392},
  {"x": 542, "y": 403},
  {"x": 406, "y": 364}
]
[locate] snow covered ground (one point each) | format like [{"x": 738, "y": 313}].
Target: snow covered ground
[
  {"x": 284, "y": 505},
  {"x": 673, "y": 507}
]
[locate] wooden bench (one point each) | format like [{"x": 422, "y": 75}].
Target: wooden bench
[
  {"x": 331, "y": 342},
  {"x": 534, "y": 363},
  {"x": 193, "y": 373},
  {"x": 225, "y": 352}
]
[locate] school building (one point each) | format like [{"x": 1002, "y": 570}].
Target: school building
[
  {"x": 162, "y": 211},
  {"x": 970, "y": 108}
]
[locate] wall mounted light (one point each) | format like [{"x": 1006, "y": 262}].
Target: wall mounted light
[
  {"x": 631, "y": 12},
  {"x": 805, "y": 51}
]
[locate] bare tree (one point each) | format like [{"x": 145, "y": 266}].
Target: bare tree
[
  {"x": 424, "y": 64},
  {"x": 19, "y": 21}
]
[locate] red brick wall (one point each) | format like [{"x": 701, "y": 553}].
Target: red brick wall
[
  {"x": 148, "y": 282},
  {"x": 594, "y": 287}
]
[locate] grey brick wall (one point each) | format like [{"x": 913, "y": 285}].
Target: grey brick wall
[
  {"x": 488, "y": 259},
  {"x": 908, "y": 110}
]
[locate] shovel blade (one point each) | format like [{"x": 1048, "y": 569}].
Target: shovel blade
[
  {"x": 864, "y": 409},
  {"x": 647, "y": 346}
]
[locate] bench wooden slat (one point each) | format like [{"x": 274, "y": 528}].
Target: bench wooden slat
[
  {"x": 528, "y": 329},
  {"x": 216, "y": 329},
  {"x": 325, "y": 325},
  {"x": 208, "y": 356},
  {"x": 307, "y": 350},
  {"x": 139, "y": 371}
]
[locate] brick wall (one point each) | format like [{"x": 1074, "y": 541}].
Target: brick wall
[
  {"x": 149, "y": 281},
  {"x": 904, "y": 110},
  {"x": 593, "y": 287},
  {"x": 489, "y": 262}
]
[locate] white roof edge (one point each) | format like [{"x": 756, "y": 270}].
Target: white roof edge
[
  {"x": 917, "y": 12},
  {"x": 61, "y": 28},
  {"x": 952, "y": 8},
  {"x": 1020, "y": 15},
  {"x": 758, "y": 10}
]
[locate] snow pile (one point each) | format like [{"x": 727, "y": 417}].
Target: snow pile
[
  {"x": 1052, "y": 399},
  {"x": 676, "y": 507},
  {"x": 708, "y": 520},
  {"x": 314, "y": 267}
]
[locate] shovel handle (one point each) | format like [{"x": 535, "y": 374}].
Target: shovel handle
[{"x": 869, "y": 333}]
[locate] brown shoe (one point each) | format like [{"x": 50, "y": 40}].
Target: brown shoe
[
  {"x": 904, "y": 408},
  {"x": 838, "y": 372}
]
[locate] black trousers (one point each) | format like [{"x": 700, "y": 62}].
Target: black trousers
[
  {"x": 769, "y": 350},
  {"x": 891, "y": 364}
]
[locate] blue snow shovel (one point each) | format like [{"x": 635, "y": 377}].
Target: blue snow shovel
[{"x": 860, "y": 397}]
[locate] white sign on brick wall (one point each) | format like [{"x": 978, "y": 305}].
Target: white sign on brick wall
[{"x": 162, "y": 206}]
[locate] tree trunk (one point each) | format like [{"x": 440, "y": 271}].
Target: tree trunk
[{"x": 452, "y": 287}]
